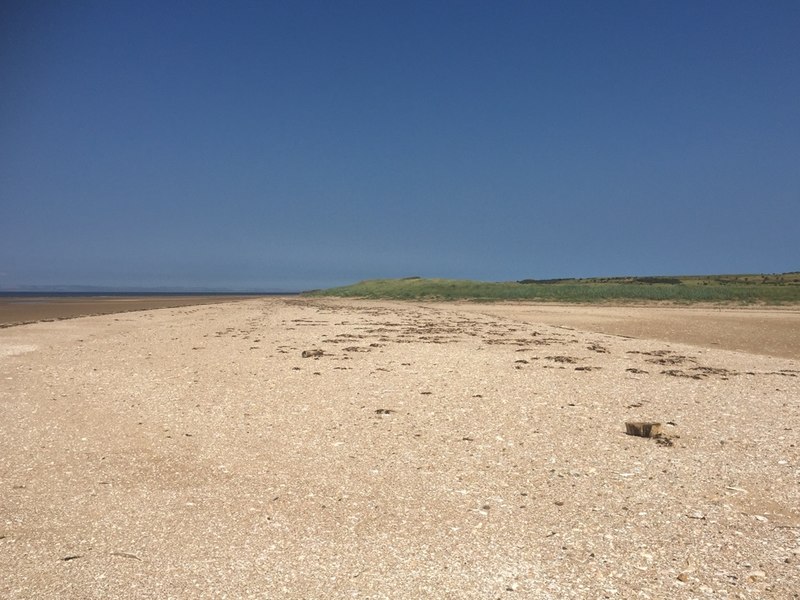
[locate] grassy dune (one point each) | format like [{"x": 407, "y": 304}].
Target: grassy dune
[{"x": 741, "y": 289}]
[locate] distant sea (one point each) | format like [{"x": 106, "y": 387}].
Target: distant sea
[
  {"x": 41, "y": 305},
  {"x": 127, "y": 294}
]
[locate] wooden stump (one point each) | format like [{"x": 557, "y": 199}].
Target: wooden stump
[{"x": 648, "y": 429}]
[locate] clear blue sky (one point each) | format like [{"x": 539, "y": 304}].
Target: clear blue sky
[{"x": 294, "y": 144}]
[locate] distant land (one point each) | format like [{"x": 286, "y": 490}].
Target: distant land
[{"x": 773, "y": 288}]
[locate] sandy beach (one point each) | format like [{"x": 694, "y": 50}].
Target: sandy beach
[{"x": 414, "y": 451}]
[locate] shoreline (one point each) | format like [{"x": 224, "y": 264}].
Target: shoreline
[{"x": 29, "y": 308}]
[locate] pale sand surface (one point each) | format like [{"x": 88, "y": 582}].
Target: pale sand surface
[{"x": 431, "y": 452}]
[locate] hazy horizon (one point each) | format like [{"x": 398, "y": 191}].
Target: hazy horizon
[{"x": 79, "y": 288}]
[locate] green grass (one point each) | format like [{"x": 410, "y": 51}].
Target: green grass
[{"x": 740, "y": 289}]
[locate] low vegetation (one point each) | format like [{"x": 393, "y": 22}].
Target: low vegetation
[{"x": 781, "y": 288}]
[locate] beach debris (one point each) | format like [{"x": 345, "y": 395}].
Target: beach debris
[
  {"x": 71, "y": 557},
  {"x": 562, "y": 359},
  {"x": 670, "y": 360},
  {"x": 679, "y": 373},
  {"x": 648, "y": 429},
  {"x": 384, "y": 411},
  {"x": 715, "y": 371},
  {"x": 312, "y": 353},
  {"x": 753, "y": 576},
  {"x": 125, "y": 555},
  {"x": 687, "y": 572},
  {"x": 663, "y": 439}
]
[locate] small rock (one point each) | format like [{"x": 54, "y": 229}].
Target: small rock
[
  {"x": 646, "y": 429},
  {"x": 756, "y": 575},
  {"x": 312, "y": 353}
]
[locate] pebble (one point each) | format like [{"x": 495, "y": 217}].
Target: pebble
[
  {"x": 756, "y": 575},
  {"x": 683, "y": 576}
]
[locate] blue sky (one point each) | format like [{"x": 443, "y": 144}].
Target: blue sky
[{"x": 291, "y": 145}]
